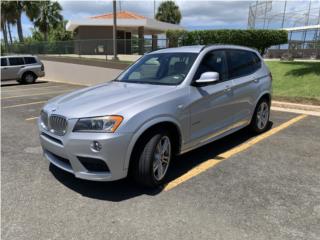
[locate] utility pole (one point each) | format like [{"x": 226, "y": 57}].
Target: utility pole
[{"x": 115, "y": 57}]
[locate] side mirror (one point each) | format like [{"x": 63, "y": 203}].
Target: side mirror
[{"x": 208, "y": 78}]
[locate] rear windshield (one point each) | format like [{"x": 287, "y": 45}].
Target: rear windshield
[
  {"x": 30, "y": 60},
  {"x": 16, "y": 61},
  {"x": 160, "y": 69}
]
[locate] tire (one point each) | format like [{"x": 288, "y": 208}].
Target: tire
[
  {"x": 260, "y": 119},
  {"x": 150, "y": 166},
  {"x": 28, "y": 78}
]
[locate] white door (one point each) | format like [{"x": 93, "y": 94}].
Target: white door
[
  {"x": 14, "y": 67},
  {"x": 4, "y": 69},
  {"x": 212, "y": 107}
]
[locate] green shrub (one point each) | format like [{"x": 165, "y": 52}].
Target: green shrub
[{"x": 259, "y": 39}]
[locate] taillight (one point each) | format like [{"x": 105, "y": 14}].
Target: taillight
[
  {"x": 270, "y": 75},
  {"x": 42, "y": 67}
]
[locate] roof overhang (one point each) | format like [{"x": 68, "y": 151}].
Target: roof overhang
[
  {"x": 151, "y": 26},
  {"x": 310, "y": 27}
]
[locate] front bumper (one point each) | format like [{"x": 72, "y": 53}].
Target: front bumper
[
  {"x": 41, "y": 74},
  {"x": 67, "y": 152}
]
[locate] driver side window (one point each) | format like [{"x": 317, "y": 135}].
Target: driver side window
[{"x": 214, "y": 61}]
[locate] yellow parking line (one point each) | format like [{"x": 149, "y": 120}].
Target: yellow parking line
[
  {"x": 24, "y": 104},
  {"x": 31, "y": 95},
  {"x": 212, "y": 162},
  {"x": 31, "y": 118}
]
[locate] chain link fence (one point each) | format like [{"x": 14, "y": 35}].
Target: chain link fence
[{"x": 87, "y": 47}]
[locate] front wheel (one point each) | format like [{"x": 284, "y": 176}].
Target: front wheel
[
  {"x": 260, "y": 119},
  {"x": 154, "y": 160}
]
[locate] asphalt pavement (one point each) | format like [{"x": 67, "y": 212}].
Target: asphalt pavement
[{"x": 240, "y": 187}]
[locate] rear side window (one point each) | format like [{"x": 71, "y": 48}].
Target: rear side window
[
  {"x": 30, "y": 60},
  {"x": 242, "y": 63},
  {"x": 3, "y": 62},
  {"x": 16, "y": 61}
]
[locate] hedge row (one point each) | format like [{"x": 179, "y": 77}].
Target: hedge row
[{"x": 259, "y": 39}]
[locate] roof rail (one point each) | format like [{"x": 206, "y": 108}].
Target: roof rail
[{"x": 217, "y": 44}]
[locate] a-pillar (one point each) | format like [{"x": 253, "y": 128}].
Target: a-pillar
[{"x": 141, "y": 40}]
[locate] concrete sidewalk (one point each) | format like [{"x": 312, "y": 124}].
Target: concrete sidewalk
[{"x": 78, "y": 74}]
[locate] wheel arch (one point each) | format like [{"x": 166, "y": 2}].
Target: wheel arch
[
  {"x": 263, "y": 95},
  {"x": 152, "y": 125},
  {"x": 25, "y": 72}
]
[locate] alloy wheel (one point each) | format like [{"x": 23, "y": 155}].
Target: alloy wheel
[
  {"x": 262, "y": 115},
  {"x": 162, "y": 158}
]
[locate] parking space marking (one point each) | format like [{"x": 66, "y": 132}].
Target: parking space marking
[
  {"x": 31, "y": 118},
  {"x": 26, "y": 86},
  {"x": 37, "y": 94},
  {"x": 202, "y": 167},
  {"x": 36, "y": 88},
  {"x": 24, "y": 104}
]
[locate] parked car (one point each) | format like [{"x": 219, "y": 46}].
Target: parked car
[
  {"x": 24, "y": 69},
  {"x": 169, "y": 102}
]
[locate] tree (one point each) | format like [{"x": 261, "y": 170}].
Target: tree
[
  {"x": 12, "y": 12},
  {"x": 169, "y": 12},
  {"x": 4, "y": 11},
  {"x": 47, "y": 17},
  {"x": 58, "y": 33}
]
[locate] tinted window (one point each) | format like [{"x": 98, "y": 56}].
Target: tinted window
[
  {"x": 161, "y": 68},
  {"x": 3, "y": 62},
  {"x": 241, "y": 63},
  {"x": 30, "y": 60},
  {"x": 214, "y": 61},
  {"x": 16, "y": 61},
  {"x": 257, "y": 61}
]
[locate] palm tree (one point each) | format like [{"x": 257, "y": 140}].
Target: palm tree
[
  {"x": 47, "y": 16},
  {"x": 169, "y": 12},
  {"x": 12, "y": 12},
  {"x": 7, "y": 19},
  {"x": 15, "y": 12},
  {"x": 4, "y": 10}
]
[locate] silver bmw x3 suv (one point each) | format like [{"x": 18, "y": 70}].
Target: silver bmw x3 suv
[{"x": 167, "y": 103}]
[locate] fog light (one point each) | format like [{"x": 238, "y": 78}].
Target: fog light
[{"x": 95, "y": 146}]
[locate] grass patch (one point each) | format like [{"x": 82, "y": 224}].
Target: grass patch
[{"x": 296, "y": 81}]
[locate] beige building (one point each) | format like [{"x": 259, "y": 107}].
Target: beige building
[{"x": 95, "y": 34}]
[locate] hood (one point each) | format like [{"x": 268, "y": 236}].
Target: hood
[{"x": 106, "y": 99}]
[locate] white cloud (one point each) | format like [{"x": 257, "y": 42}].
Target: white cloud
[{"x": 208, "y": 12}]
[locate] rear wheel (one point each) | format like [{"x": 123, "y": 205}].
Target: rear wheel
[
  {"x": 152, "y": 163},
  {"x": 260, "y": 119},
  {"x": 28, "y": 78}
]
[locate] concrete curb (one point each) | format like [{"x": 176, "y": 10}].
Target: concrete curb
[
  {"x": 312, "y": 110},
  {"x": 289, "y": 105}
]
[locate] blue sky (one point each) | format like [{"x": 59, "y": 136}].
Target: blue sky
[{"x": 195, "y": 14}]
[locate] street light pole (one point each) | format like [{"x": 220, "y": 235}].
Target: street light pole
[{"x": 115, "y": 57}]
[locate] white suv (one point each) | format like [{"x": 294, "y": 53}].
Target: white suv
[
  {"x": 169, "y": 102},
  {"x": 24, "y": 69}
]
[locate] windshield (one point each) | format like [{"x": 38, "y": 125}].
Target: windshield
[{"x": 161, "y": 68}]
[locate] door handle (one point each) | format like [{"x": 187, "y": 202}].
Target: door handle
[
  {"x": 22, "y": 66},
  {"x": 5, "y": 68},
  {"x": 227, "y": 89},
  {"x": 256, "y": 80}
]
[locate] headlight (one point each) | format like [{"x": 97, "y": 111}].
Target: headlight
[{"x": 98, "y": 124}]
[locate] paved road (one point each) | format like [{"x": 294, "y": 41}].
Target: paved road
[{"x": 269, "y": 189}]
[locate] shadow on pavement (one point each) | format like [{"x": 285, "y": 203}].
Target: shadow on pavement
[
  {"x": 11, "y": 84},
  {"x": 127, "y": 188}
]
